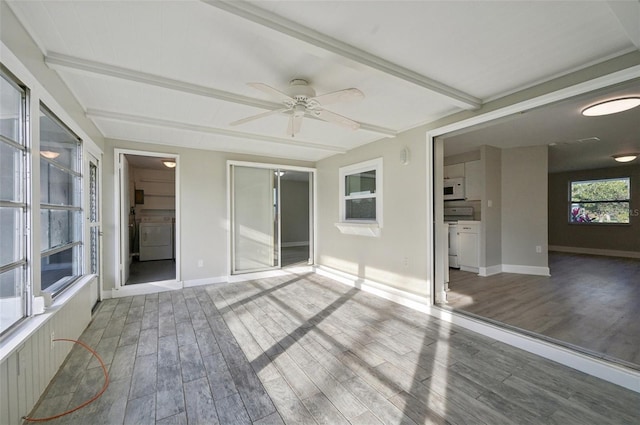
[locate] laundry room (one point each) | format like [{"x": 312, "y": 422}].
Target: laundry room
[{"x": 151, "y": 219}]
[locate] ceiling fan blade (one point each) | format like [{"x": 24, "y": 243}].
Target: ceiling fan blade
[
  {"x": 295, "y": 122},
  {"x": 255, "y": 117},
  {"x": 339, "y": 96},
  {"x": 337, "y": 119},
  {"x": 274, "y": 93}
]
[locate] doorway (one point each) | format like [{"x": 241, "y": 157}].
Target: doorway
[
  {"x": 271, "y": 210},
  {"x": 147, "y": 210}
]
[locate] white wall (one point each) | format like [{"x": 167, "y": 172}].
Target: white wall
[
  {"x": 398, "y": 257},
  {"x": 203, "y": 202},
  {"x": 524, "y": 206},
  {"x": 492, "y": 215}
]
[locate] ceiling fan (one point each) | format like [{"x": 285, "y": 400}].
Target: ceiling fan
[{"x": 301, "y": 100}]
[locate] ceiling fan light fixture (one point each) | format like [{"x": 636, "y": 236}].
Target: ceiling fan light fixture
[
  {"x": 627, "y": 157},
  {"x": 169, "y": 163},
  {"x": 611, "y": 106}
]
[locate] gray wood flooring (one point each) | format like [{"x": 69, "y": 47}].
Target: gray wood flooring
[
  {"x": 589, "y": 301},
  {"x": 302, "y": 349}
]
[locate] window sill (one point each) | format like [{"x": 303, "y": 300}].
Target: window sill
[{"x": 359, "y": 229}]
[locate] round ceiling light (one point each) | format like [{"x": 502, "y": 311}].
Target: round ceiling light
[
  {"x": 628, "y": 157},
  {"x": 169, "y": 163},
  {"x": 611, "y": 106}
]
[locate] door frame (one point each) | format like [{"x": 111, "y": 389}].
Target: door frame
[
  {"x": 313, "y": 225},
  {"x": 119, "y": 186}
]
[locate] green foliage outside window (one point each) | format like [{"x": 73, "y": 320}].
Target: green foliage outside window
[{"x": 600, "y": 201}]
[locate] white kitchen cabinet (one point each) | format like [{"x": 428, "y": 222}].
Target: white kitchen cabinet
[
  {"x": 453, "y": 171},
  {"x": 474, "y": 180},
  {"x": 469, "y": 245}
]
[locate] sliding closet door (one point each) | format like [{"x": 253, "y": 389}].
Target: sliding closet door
[{"x": 254, "y": 220}]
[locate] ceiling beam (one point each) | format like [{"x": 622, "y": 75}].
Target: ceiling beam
[
  {"x": 156, "y": 122},
  {"x": 293, "y": 29},
  {"x": 61, "y": 61}
]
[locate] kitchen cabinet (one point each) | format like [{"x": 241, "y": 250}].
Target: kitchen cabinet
[
  {"x": 469, "y": 245},
  {"x": 453, "y": 171},
  {"x": 474, "y": 180}
]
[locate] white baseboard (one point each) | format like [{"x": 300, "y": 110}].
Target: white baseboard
[
  {"x": 146, "y": 288},
  {"x": 534, "y": 270},
  {"x": 490, "y": 271},
  {"x": 624, "y": 377},
  {"x": 290, "y": 244},
  {"x": 595, "y": 251},
  {"x": 407, "y": 299},
  {"x": 206, "y": 281},
  {"x": 269, "y": 273},
  {"x": 469, "y": 269}
]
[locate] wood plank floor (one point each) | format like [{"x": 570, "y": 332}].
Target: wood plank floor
[
  {"x": 589, "y": 301},
  {"x": 302, "y": 349}
]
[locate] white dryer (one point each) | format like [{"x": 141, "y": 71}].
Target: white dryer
[{"x": 156, "y": 238}]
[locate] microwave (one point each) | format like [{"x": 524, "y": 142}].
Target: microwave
[{"x": 454, "y": 189}]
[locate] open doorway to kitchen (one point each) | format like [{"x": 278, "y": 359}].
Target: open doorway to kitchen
[
  {"x": 526, "y": 262},
  {"x": 271, "y": 212},
  {"x": 147, "y": 183}
]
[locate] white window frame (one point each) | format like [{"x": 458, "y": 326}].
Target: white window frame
[{"x": 361, "y": 227}]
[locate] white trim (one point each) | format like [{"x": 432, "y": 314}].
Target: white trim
[
  {"x": 146, "y": 288},
  {"x": 490, "y": 271},
  {"x": 295, "y": 30},
  {"x": 206, "y": 281},
  {"x": 177, "y": 125},
  {"x": 595, "y": 251},
  {"x": 361, "y": 227},
  {"x": 244, "y": 277},
  {"x": 519, "y": 269},
  {"x": 407, "y": 299},
  {"x": 607, "y": 371}
]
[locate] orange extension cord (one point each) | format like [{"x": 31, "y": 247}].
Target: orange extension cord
[{"x": 94, "y": 398}]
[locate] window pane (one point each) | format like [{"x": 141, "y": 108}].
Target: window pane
[
  {"x": 61, "y": 267},
  {"x": 95, "y": 250},
  {"x": 360, "y": 183},
  {"x": 58, "y": 187},
  {"x": 361, "y": 209},
  {"x": 600, "y": 190},
  {"x": 11, "y": 242},
  {"x": 57, "y": 143},
  {"x": 11, "y": 304},
  {"x": 59, "y": 227},
  {"x": 600, "y": 212},
  {"x": 11, "y": 118},
  {"x": 11, "y": 173}
]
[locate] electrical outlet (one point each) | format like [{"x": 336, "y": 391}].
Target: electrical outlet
[
  {"x": 200, "y": 263},
  {"x": 538, "y": 249},
  {"x": 405, "y": 261},
  {"x": 53, "y": 336}
]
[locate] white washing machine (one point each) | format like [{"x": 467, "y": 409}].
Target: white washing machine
[{"x": 156, "y": 238}]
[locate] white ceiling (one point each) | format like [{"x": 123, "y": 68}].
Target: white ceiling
[{"x": 175, "y": 72}]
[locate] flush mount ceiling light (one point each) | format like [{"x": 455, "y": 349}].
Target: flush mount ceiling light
[
  {"x": 628, "y": 157},
  {"x": 611, "y": 106},
  {"x": 279, "y": 173},
  {"x": 50, "y": 154},
  {"x": 169, "y": 163}
]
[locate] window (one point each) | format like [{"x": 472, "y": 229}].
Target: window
[
  {"x": 600, "y": 201},
  {"x": 60, "y": 204},
  {"x": 13, "y": 202},
  {"x": 361, "y": 197}
]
